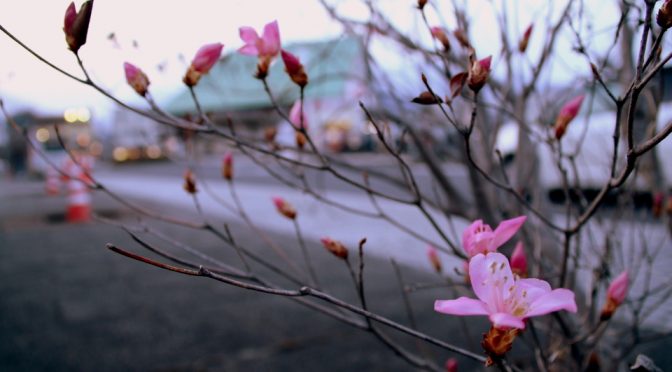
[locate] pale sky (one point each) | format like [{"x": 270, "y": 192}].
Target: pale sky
[{"x": 164, "y": 29}]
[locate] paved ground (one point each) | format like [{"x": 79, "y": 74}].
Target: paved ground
[{"x": 67, "y": 303}]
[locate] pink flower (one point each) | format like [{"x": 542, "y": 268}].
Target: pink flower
[
  {"x": 136, "y": 78},
  {"x": 434, "y": 259},
  {"x": 479, "y": 237},
  {"x": 567, "y": 113},
  {"x": 451, "y": 365},
  {"x": 268, "y": 45},
  {"x": 295, "y": 116},
  {"x": 518, "y": 261},
  {"x": 507, "y": 301},
  {"x": 616, "y": 293},
  {"x": 205, "y": 58}
]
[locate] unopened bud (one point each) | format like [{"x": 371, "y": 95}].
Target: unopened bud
[
  {"x": 427, "y": 98},
  {"x": 457, "y": 84},
  {"x": 335, "y": 247},
  {"x": 524, "y": 41},
  {"x": 136, "y": 78},
  {"x": 439, "y": 34},
  {"x": 205, "y": 58},
  {"x": 300, "y": 139},
  {"x": 657, "y": 204},
  {"x": 76, "y": 25},
  {"x": 189, "y": 182},
  {"x": 616, "y": 293},
  {"x": 434, "y": 259},
  {"x": 270, "y": 133},
  {"x": 421, "y": 4},
  {"x": 451, "y": 365},
  {"x": 227, "y": 166},
  {"x": 566, "y": 115},
  {"x": 478, "y": 73},
  {"x": 664, "y": 16},
  {"x": 519, "y": 261},
  {"x": 294, "y": 69},
  {"x": 462, "y": 38},
  {"x": 284, "y": 208},
  {"x": 262, "y": 67}
]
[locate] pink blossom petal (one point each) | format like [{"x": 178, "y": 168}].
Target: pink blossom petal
[
  {"x": 571, "y": 108},
  {"x": 506, "y": 320},
  {"x": 271, "y": 38},
  {"x": 491, "y": 279},
  {"x": 506, "y": 230},
  {"x": 295, "y": 116},
  {"x": 518, "y": 259},
  {"x": 558, "y": 299},
  {"x": 461, "y": 306},
  {"x": 248, "y": 35},
  {"x": 70, "y": 16},
  {"x": 249, "y": 50},
  {"x": 207, "y": 56},
  {"x": 532, "y": 288},
  {"x": 469, "y": 233}
]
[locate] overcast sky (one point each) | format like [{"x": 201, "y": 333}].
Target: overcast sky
[{"x": 165, "y": 29}]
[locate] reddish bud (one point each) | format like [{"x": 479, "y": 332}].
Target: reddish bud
[
  {"x": 421, "y": 4},
  {"x": 270, "y": 133},
  {"x": 664, "y": 16},
  {"x": 335, "y": 247},
  {"x": 205, "y": 58},
  {"x": 427, "y": 98},
  {"x": 451, "y": 365},
  {"x": 294, "y": 68},
  {"x": 439, "y": 34},
  {"x": 518, "y": 261},
  {"x": 657, "y": 204},
  {"x": 462, "y": 38},
  {"x": 522, "y": 44},
  {"x": 136, "y": 78},
  {"x": 478, "y": 73},
  {"x": 227, "y": 166},
  {"x": 616, "y": 293},
  {"x": 566, "y": 115},
  {"x": 189, "y": 182},
  {"x": 284, "y": 208},
  {"x": 434, "y": 259},
  {"x": 76, "y": 25}
]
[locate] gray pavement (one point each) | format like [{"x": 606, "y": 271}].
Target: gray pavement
[{"x": 69, "y": 304}]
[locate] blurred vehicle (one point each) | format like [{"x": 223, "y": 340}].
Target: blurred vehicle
[{"x": 589, "y": 142}]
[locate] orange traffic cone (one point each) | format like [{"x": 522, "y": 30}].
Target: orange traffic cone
[{"x": 79, "y": 198}]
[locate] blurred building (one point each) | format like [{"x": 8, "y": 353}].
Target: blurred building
[{"x": 336, "y": 70}]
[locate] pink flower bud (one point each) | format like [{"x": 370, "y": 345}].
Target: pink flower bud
[
  {"x": 284, "y": 208},
  {"x": 616, "y": 293},
  {"x": 227, "y": 166},
  {"x": 478, "y": 73},
  {"x": 335, "y": 247},
  {"x": 205, "y": 58},
  {"x": 76, "y": 24},
  {"x": 439, "y": 34},
  {"x": 294, "y": 68},
  {"x": 522, "y": 44},
  {"x": 136, "y": 78},
  {"x": 451, "y": 365},
  {"x": 518, "y": 261},
  {"x": 434, "y": 259},
  {"x": 296, "y": 117},
  {"x": 566, "y": 115}
]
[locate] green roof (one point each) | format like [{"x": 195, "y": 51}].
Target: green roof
[{"x": 231, "y": 86}]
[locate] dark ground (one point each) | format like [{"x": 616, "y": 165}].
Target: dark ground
[{"x": 69, "y": 304}]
